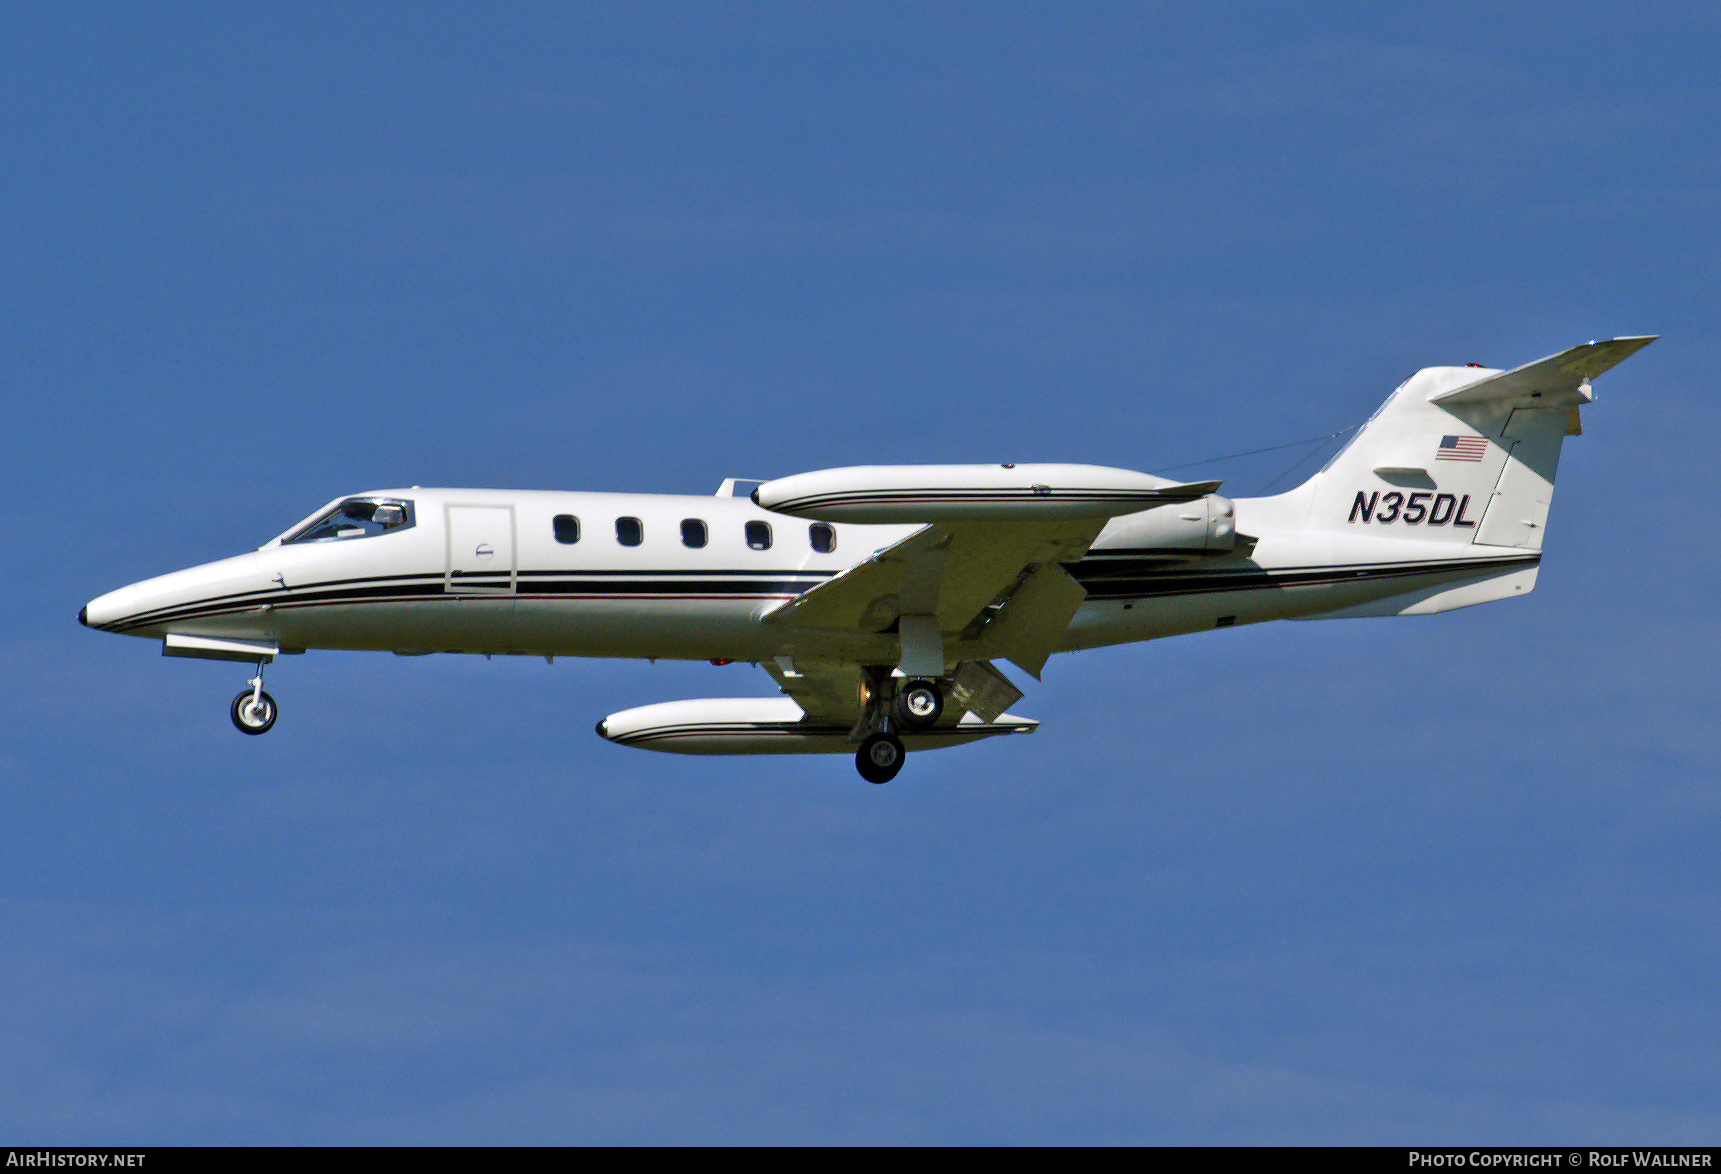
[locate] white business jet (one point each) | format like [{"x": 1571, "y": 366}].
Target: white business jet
[{"x": 879, "y": 597}]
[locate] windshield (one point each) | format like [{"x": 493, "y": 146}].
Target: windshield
[{"x": 356, "y": 517}]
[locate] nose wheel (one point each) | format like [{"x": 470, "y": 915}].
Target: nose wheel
[
  {"x": 879, "y": 758},
  {"x": 254, "y": 711}
]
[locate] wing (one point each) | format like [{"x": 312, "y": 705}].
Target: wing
[
  {"x": 981, "y": 578},
  {"x": 991, "y": 588}
]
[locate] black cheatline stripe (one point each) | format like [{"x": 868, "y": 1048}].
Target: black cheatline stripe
[
  {"x": 669, "y": 586},
  {"x": 1142, "y": 559},
  {"x": 727, "y": 729},
  {"x": 685, "y": 573},
  {"x": 204, "y": 608},
  {"x": 980, "y": 495},
  {"x": 374, "y": 586},
  {"x": 747, "y": 729},
  {"x": 654, "y": 588},
  {"x": 273, "y": 593},
  {"x": 1099, "y": 586},
  {"x": 910, "y": 496},
  {"x": 1211, "y": 582},
  {"x": 1202, "y": 582},
  {"x": 408, "y": 593}
]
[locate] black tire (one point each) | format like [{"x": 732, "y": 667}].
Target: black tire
[
  {"x": 248, "y": 721},
  {"x": 919, "y": 704},
  {"x": 880, "y": 757}
]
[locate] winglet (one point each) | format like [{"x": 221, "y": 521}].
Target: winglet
[{"x": 1556, "y": 379}]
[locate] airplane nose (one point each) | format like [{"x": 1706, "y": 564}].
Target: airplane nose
[{"x": 84, "y": 615}]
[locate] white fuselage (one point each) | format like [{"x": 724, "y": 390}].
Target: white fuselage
[{"x": 482, "y": 571}]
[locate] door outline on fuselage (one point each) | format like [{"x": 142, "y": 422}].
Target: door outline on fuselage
[{"x": 486, "y": 581}]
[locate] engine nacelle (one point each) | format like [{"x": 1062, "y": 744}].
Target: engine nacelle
[
  {"x": 770, "y": 725},
  {"x": 1193, "y": 530},
  {"x": 956, "y": 493}
]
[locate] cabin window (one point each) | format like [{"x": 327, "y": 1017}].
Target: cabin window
[
  {"x": 693, "y": 533},
  {"x": 356, "y": 517},
  {"x": 567, "y": 529},
  {"x": 759, "y": 535},
  {"x": 629, "y": 531},
  {"x": 823, "y": 538}
]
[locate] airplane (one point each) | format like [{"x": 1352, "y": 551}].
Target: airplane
[{"x": 879, "y": 597}]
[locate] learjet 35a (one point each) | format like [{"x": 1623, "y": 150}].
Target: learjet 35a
[{"x": 879, "y": 597}]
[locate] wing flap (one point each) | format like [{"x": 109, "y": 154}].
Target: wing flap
[
  {"x": 949, "y": 570},
  {"x": 1028, "y": 629}
]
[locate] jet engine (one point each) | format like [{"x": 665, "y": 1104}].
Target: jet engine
[{"x": 1193, "y": 530}]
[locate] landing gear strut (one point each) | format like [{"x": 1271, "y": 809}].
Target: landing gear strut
[
  {"x": 253, "y": 710},
  {"x": 886, "y": 709},
  {"x": 879, "y": 758}
]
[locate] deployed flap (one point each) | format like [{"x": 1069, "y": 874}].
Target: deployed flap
[
  {"x": 1027, "y": 631},
  {"x": 951, "y": 570},
  {"x": 1557, "y": 379},
  {"x": 954, "y": 572}
]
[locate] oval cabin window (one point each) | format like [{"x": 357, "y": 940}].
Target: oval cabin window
[
  {"x": 759, "y": 535},
  {"x": 629, "y": 531},
  {"x": 693, "y": 533},
  {"x": 823, "y": 538},
  {"x": 567, "y": 529}
]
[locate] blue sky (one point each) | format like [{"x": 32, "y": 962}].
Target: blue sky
[{"x": 1446, "y": 879}]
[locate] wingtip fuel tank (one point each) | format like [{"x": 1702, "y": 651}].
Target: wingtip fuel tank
[{"x": 971, "y": 493}]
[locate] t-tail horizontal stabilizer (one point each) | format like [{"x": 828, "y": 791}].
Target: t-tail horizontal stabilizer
[{"x": 1556, "y": 381}]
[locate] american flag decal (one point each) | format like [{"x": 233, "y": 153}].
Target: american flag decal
[{"x": 1462, "y": 448}]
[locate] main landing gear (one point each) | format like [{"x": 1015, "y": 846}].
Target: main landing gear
[
  {"x": 253, "y": 710},
  {"x": 880, "y": 757},
  {"x": 917, "y": 706}
]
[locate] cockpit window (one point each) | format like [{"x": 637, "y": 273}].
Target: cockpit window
[{"x": 357, "y": 517}]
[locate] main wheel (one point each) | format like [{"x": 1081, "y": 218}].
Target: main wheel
[
  {"x": 919, "y": 704},
  {"x": 253, "y": 718},
  {"x": 880, "y": 757}
]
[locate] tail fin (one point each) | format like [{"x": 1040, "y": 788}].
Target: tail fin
[{"x": 1463, "y": 455}]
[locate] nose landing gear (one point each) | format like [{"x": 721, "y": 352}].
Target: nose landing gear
[{"x": 254, "y": 711}]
